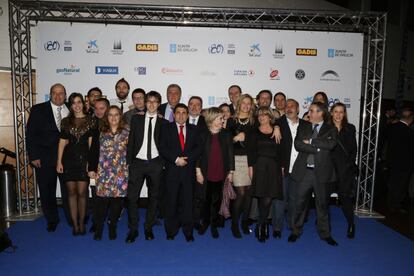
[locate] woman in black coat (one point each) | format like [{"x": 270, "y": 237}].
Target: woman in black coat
[
  {"x": 344, "y": 155},
  {"x": 215, "y": 165}
]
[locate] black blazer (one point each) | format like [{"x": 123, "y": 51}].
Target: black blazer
[
  {"x": 321, "y": 147},
  {"x": 400, "y": 147},
  {"x": 136, "y": 135},
  {"x": 344, "y": 153},
  {"x": 226, "y": 144},
  {"x": 201, "y": 124},
  {"x": 287, "y": 141},
  {"x": 170, "y": 149},
  {"x": 162, "y": 108},
  {"x": 42, "y": 135}
]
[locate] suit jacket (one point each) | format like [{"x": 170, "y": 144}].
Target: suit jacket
[
  {"x": 400, "y": 147},
  {"x": 136, "y": 135},
  {"x": 344, "y": 153},
  {"x": 226, "y": 144},
  {"x": 162, "y": 108},
  {"x": 42, "y": 135},
  {"x": 170, "y": 149},
  {"x": 321, "y": 148},
  {"x": 201, "y": 124},
  {"x": 287, "y": 140}
]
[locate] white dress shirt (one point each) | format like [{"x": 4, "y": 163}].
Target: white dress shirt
[
  {"x": 293, "y": 153},
  {"x": 142, "y": 154},
  {"x": 193, "y": 120},
  {"x": 64, "y": 112},
  {"x": 127, "y": 103},
  {"x": 168, "y": 111}
]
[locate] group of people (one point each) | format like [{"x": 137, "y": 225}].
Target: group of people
[{"x": 243, "y": 160}]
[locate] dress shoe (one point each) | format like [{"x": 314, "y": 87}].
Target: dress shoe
[
  {"x": 203, "y": 228},
  {"x": 92, "y": 229},
  {"x": 97, "y": 236},
  {"x": 170, "y": 237},
  {"x": 149, "y": 236},
  {"x": 277, "y": 234},
  {"x": 214, "y": 232},
  {"x": 245, "y": 227},
  {"x": 350, "y": 233},
  {"x": 51, "y": 227},
  {"x": 132, "y": 235},
  {"x": 235, "y": 230},
  {"x": 293, "y": 238},
  {"x": 189, "y": 238},
  {"x": 330, "y": 241}
]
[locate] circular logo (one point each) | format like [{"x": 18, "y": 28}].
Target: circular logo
[{"x": 300, "y": 74}]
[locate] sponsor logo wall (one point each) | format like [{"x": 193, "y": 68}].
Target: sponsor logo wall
[{"x": 202, "y": 61}]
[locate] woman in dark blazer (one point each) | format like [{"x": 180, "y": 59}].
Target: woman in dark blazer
[
  {"x": 344, "y": 155},
  {"x": 215, "y": 165}
]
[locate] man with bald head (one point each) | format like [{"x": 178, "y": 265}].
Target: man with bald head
[{"x": 42, "y": 138}]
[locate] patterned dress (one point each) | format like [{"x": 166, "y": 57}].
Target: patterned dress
[{"x": 112, "y": 167}]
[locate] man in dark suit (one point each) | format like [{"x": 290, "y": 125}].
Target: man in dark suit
[
  {"x": 288, "y": 124},
  {"x": 144, "y": 162},
  {"x": 313, "y": 170},
  {"x": 42, "y": 138},
  {"x": 234, "y": 92},
  {"x": 180, "y": 147},
  {"x": 195, "y": 105},
  {"x": 173, "y": 98},
  {"x": 138, "y": 99},
  {"x": 400, "y": 159}
]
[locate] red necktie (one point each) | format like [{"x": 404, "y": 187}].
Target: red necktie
[{"x": 181, "y": 136}]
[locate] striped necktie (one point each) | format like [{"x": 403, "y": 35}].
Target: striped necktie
[{"x": 59, "y": 117}]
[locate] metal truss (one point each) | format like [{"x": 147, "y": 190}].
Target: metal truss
[{"x": 23, "y": 13}]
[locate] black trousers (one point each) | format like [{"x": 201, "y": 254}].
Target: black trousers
[
  {"x": 138, "y": 170},
  {"x": 398, "y": 182},
  {"x": 46, "y": 178},
  {"x": 101, "y": 206},
  {"x": 211, "y": 208},
  {"x": 179, "y": 206},
  {"x": 346, "y": 193},
  {"x": 303, "y": 194}
]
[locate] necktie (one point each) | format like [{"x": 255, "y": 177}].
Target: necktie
[
  {"x": 311, "y": 158},
  {"x": 149, "y": 136},
  {"x": 171, "y": 118},
  {"x": 122, "y": 106},
  {"x": 181, "y": 136},
  {"x": 193, "y": 121},
  {"x": 59, "y": 117}
]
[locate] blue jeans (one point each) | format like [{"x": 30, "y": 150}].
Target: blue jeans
[{"x": 279, "y": 206}]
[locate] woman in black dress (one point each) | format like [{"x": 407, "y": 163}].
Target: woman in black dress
[
  {"x": 344, "y": 155},
  {"x": 264, "y": 169},
  {"x": 240, "y": 126},
  {"x": 74, "y": 144}
]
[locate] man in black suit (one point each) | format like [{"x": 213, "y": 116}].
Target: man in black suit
[
  {"x": 180, "y": 147},
  {"x": 144, "y": 162},
  {"x": 313, "y": 170},
  {"x": 288, "y": 124},
  {"x": 234, "y": 92},
  {"x": 173, "y": 98},
  {"x": 195, "y": 105},
  {"x": 400, "y": 159},
  {"x": 42, "y": 138}
]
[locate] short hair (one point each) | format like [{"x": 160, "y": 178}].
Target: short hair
[
  {"x": 294, "y": 101},
  {"x": 103, "y": 100},
  {"x": 196, "y": 98},
  {"x": 122, "y": 80},
  {"x": 263, "y": 92},
  {"x": 235, "y": 86},
  {"x": 224, "y": 105},
  {"x": 153, "y": 94},
  {"x": 180, "y": 105},
  {"x": 211, "y": 114},
  {"x": 138, "y": 90},
  {"x": 174, "y": 85},
  {"x": 266, "y": 111},
  {"x": 56, "y": 85},
  {"x": 407, "y": 113},
  {"x": 324, "y": 108},
  {"x": 280, "y": 93},
  {"x": 94, "y": 89}
]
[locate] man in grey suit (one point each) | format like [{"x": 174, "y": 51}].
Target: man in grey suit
[{"x": 313, "y": 170}]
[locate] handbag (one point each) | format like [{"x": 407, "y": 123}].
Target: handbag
[{"x": 228, "y": 195}]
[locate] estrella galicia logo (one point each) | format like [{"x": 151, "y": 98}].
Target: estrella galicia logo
[
  {"x": 141, "y": 70},
  {"x": 216, "y": 49},
  {"x": 330, "y": 75},
  {"x": 92, "y": 47},
  {"x": 255, "y": 50},
  {"x": 300, "y": 74},
  {"x": 331, "y": 53},
  {"x": 52, "y": 46},
  {"x": 106, "y": 70}
]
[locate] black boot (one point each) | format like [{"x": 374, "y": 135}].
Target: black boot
[
  {"x": 261, "y": 232},
  {"x": 235, "y": 230},
  {"x": 245, "y": 227}
]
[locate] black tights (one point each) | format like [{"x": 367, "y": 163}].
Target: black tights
[
  {"x": 77, "y": 191},
  {"x": 264, "y": 208},
  {"x": 241, "y": 204}
]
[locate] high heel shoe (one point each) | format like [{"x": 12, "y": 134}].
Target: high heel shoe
[{"x": 350, "y": 233}]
